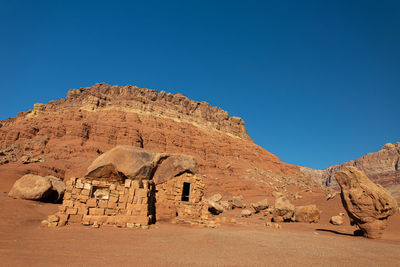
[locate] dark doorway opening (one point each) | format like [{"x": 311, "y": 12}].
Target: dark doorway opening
[{"x": 185, "y": 191}]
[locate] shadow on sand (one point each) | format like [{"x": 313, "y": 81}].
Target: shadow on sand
[{"x": 355, "y": 233}]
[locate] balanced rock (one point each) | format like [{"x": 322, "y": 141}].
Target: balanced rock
[
  {"x": 308, "y": 213},
  {"x": 368, "y": 205},
  {"x": 136, "y": 163},
  {"x": 35, "y": 187}
]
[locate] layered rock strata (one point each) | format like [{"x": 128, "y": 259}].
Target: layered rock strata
[
  {"x": 382, "y": 167},
  {"x": 66, "y": 135}
]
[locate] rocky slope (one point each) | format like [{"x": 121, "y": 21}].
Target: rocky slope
[
  {"x": 382, "y": 167},
  {"x": 62, "y": 137}
]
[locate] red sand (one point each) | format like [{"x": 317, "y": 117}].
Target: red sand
[{"x": 23, "y": 242}]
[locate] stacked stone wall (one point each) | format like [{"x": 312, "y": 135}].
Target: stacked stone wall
[
  {"x": 94, "y": 202},
  {"x": 169, "y": 199}
]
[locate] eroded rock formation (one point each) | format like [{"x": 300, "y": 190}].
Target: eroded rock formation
[
  {"x": 382, "y": 167},
  {"x": 368, "y": 205},
  {"x": 67, "y": 134}
]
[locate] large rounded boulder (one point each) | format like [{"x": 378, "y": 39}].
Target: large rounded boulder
[
  {"x": 368, "y": 204},
  {"x": 35, "y": 187},
  {"x": 123, "y": 162}
]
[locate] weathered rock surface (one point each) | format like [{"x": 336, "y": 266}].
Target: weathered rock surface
[
  {"x": 308, "y": 213},
  {"x": 283, "y": 210},
  {"x": 381, "y": 167},
  {"x": 215, "y": 197},
  {"x": 261, "y": 205},
  {"x": 214, "y": 207},
  {"x": 238, "y": 202},
  {"x": 368, "y": 205},
  {"x": 68, "y": 134},
  {"x": 35, "y": 187}
]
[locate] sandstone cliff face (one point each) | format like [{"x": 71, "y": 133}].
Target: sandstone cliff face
[
  {"x": 381, "y": 167},
  {"x": 63, "y": 137}
]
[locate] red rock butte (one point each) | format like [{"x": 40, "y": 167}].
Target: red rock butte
[{"x": 64, "y": 136}]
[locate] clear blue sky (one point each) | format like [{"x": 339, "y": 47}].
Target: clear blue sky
[{"x": 317, "y": 82}]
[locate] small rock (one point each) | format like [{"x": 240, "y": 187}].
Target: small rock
[
  {"x": 225, "y": 204},
  {"x": 238, "y": 202},
  {"x": 215, "y": 198},
  {"x": 308, "y": 213},
  {"x": 214, "y": 207},
  {"x": 246, "y": 213},
  {"x": 336, "y": 220},
  {"x": 261, "y": 205},
  {"x": 53, "y": 218},
  {"x": 284, "y": 209}
]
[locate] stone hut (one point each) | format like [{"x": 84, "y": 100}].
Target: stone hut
[{"x": 131, "y": 187}]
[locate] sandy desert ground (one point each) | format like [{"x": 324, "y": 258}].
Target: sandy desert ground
[{"x": 247, "y": 243}]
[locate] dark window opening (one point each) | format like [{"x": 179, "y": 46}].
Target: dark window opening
[{"x": 185, "y": 191}]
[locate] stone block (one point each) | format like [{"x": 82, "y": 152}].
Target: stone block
[
  {"x": 122, "y": 211},
  {"x": 95, "y": 183},
  {"x": 86, "y": 220},
  {"x": 130, "y": 206},
  {"x": 111, "y": 220},
  {"x": 98, "y": 219},
  {"x": 85, "y": 192},
  {"x": 123, "y": 198},
  {"x": 52, "y": 224},
  {"x": 112, "y": 187},
  {"x": 83, "y": 210},
  {"x": 96, "y": 211},
  {"x": 128, "y": 183},
  {"x": 62, "y": 208},
  {"x": 87, "y": 186},
  {"x": 113, "y": 199},
  {"x": 79, "y": 184},
  {"x": 71, "y": 211},
  {"x": 82, "y": 198},
  {"x": 91, "y": 203},
  {"x": 110, "y": 212},
  {"x": 102, "y": 204},
  {"x": 53, "y": 218},
  {"x": 141, "y": 192},
  {"x": 112, "y": 205},
  {"x": 63, "y": 217},
  {"x": 75, "y": 218},
  {"x": 76, "y": 191},
  {"x": 67, "y": 195}
]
